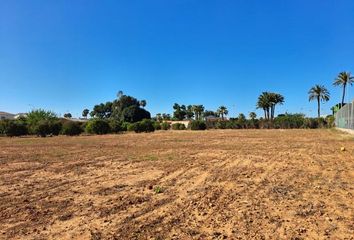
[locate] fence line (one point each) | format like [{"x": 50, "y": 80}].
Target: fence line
[{"x": 345, "y": 116}]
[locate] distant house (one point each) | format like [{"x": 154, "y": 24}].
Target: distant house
[{"x": 6, "y": 115}]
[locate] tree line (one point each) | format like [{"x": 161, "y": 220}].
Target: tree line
[{"x": 126, "y": 113}]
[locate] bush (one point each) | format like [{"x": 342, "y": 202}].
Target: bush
[
  {"x": 157, "y": 126},
  {"x": 125, "y": 126},
  {"x": 178, "y": 126},
  {"x": 38, "y": 116},
  {"x": 222, "y": 125},
  {"x": 289, "y": 121},
  {"x": 71, "y": 128},
  {"x": 13, "y": 128},
  {"x": 115, "y": 126},
  {"x": 197, "y": 125},
  {"x": 145, "y": 125},
  {"x": 55, "y": 127},
  {"x": 165, "y": 126},
  {"x": 98, "y": 126},
  {"x": 42, "y": 128},
  {"x": 131, "y": 127}
]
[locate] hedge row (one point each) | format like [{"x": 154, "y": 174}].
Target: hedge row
[{"x": 99, "y": 126}]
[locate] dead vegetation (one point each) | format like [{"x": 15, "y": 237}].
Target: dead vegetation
[{"x": 241, "y": 184}]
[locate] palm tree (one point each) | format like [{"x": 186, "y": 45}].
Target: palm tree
[
  {"x": 267, "y": 101},
  {"x": 319, "y": 93},
  {"x": 198, "y": 110},
  {"x": 264, "y": 103},
  {"x": 222, "y": 110},
  {"x": 275, "y": 98},
  {"x": 253, "y": 115},
  {"x": 343, "y": 79}
]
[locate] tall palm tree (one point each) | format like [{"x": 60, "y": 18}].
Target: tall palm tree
[
  {"x": 264, "y": 103},
  {"x": 275, "y": 98},
  {"x": 198, "y": 110},
  {"x": 343, "y": 79},
  {"x": 222, "y": 110},
  {"x": 319, "y": 93}
]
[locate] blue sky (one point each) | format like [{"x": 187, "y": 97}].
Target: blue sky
[{"x": 68, "y": 55}]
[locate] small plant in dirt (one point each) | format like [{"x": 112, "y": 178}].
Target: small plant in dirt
[{"x": 158, "y": 189}]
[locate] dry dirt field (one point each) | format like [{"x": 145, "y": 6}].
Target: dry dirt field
[{"x": 232, "y": 184}]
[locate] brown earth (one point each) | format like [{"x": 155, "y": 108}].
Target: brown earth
[{"x": 232, "y": 184}]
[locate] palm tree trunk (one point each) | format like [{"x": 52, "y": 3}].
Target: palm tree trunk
[
  {"x": 268, "y": 113},
  {"x": 272, "y": 111},
  {"x": 343, "y": 94},
  {"x": 318, "y": 108}
]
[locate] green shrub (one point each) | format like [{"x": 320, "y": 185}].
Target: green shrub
[
  {"x": 197, "y": 125},
  {"x": 222, "y": 125},
  {"x": 115, "y": 126},
  {"x": 165, "y": 126},
  {"x": 289, "y": 121},
  {"x": 98, "y": 126},
  {"x": 157, "y": 126},
  {"x": 145, "y": 125},
  {"x": 178, "y": 126},
  {"x": 311, "y": 123},
  {"x": 42, "y": 128},
  {"x": 55, "y": 127},
  {"x": 125, "y": 126},
  {"x": 131, "y": 127},
  {"x": 330, "y": 121},
  {"x": 13, "y": 128},
  {"x": 38, "y": 116},
  {"x": 71, "y": 128}
]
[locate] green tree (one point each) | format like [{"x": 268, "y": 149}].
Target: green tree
[
  {"x": 67, "y": 115},
  {"x": 143, "y": 103},
  {"x": 85, "y": 112},
  {"x": 198, "y": 110},
  {"x": 343, "y": 79},
  {"x": 319, "y": 93},
  {"x": 253, "y": 115},
  {"x": 179, "y": 112},
  {"x": 189, "y": 112},
  {"x": 274, "y": 99},
  {"x": 37, "y": 115},
  {"x": 222, "y": 110},
  {"x": 264, "y": 103},
  {"x": 268, "y": 101}
]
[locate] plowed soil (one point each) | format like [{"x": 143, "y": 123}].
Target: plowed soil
[{"x": 232, "y": 184}]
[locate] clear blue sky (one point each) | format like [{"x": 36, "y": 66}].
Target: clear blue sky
[{"x": 67, "y": 55}]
